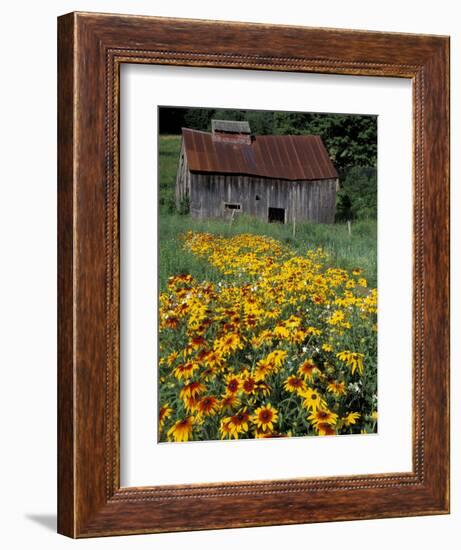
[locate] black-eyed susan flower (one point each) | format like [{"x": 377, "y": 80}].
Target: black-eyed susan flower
[
  {"x": 263, "y": 369},
  {"x": 312, "y": 399},
  {"x": 229, "y": 402},
  {"x": 185, "y": 371},
  {"x": 352, "y": 359},
  {"x": 200, "y": 357},
  {"x": 251, "y": 320},
  {"x": 248, "y": 383},
  {"x": 190, "y": 403},
  {"x": 228, "y": 344},
  {"x": 277, "y": 357},
  {"x": 264, "y": 337},
  {"x": 172, "y": 357},
  {"x": 192, "y": 389},
  {"x": 213, "y": 359},
  {"x": 313, "y": 331},
  {"x": 272, "y": 313},
  {"x": 265, "y": 417},
  {"x": 239, "y": 423},
  {"x": 181, "y": 430},
  {"x": 172, "y": 322},
  {"x": 224, "y": 428},
  {"x": 232, "y": 382},
  {"x": 337, "y": 318},
  {"x": 351, "y": 418},
  {"x": 307, "y": 369},
  {"x": 196, "y": 342},
  {"x": 293, "y": 384},
  {"x": 262, "y": 388},
  {"x": 293, "y": 322},
  {"x": 241, "y": 318},
  {"x": 269, "y": 435},
  {"x": 280, "y": 331},
  {"x": 324, "y": 416},
  {"x": 298, "y": 336},
  {"x": 337, "y": 388},
  {"x": 207, "y": 405},
  {"x": 163, "y": 413},
  {"x": 323, "y": 428},
  {"x": 209, "y": 374}
]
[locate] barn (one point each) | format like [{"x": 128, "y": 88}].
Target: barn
[{"x": 275, "y": 178}]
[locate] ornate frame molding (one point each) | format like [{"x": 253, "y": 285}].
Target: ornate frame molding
[{"x": 91, "y": 49}]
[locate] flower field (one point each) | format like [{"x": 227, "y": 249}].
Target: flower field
[{"x": 282, "y": 345}]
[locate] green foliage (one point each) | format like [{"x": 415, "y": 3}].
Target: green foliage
[
  {"x": 198, "y": 119},
  {"x": 184, "y": 206},
  {"x": 261, "y": 122},
  {"x": 306, "y": 316},
  {"x": 357, "y": 198},
  {"x": 359, "y": 249},
  {"x": 346, "y": 251},
  {"x": 169, "y": 148},
  {"x": 351, "y": 140}
]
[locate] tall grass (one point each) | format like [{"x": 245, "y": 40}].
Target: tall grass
[
  {"x": 347, "y": 251},
  {"x": 169, "y": 148}
]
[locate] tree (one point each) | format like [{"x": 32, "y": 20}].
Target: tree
[
  {"x": 358, "y": 197},
  {"x": 198, "y": 119},
  {"x": 351, "y": 140}
]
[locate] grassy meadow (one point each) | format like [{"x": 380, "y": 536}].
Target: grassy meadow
[
  {"x": 263, "y": 333},
  {"x": 346, "y": 251}
]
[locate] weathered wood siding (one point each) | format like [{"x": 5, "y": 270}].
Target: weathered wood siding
[
  {"x": 313, "y": 201},
  {"x": 183, "y": 178}
]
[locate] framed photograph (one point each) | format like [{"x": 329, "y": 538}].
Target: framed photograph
[{"x": 253, "y": 275}]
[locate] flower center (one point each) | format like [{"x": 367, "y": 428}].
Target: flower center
[{"x": 265, "y": 416}]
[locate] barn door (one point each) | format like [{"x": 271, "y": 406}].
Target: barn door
[{"x": 276, "y": 215}]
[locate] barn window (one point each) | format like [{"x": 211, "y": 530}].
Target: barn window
[
  {"x": 232, "y": 206},
  {"x": 276, "y": 215},
  {"x": 257, "y": 198}
]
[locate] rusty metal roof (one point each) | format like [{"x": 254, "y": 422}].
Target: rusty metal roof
[{"x": 280, "y": 157}]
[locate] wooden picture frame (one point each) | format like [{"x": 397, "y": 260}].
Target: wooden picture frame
[{"x": 92, "y": 48}]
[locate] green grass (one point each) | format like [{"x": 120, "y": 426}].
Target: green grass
[
  {"x": 347, "y": 251},
  {"x": 169, "y": 148}
]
